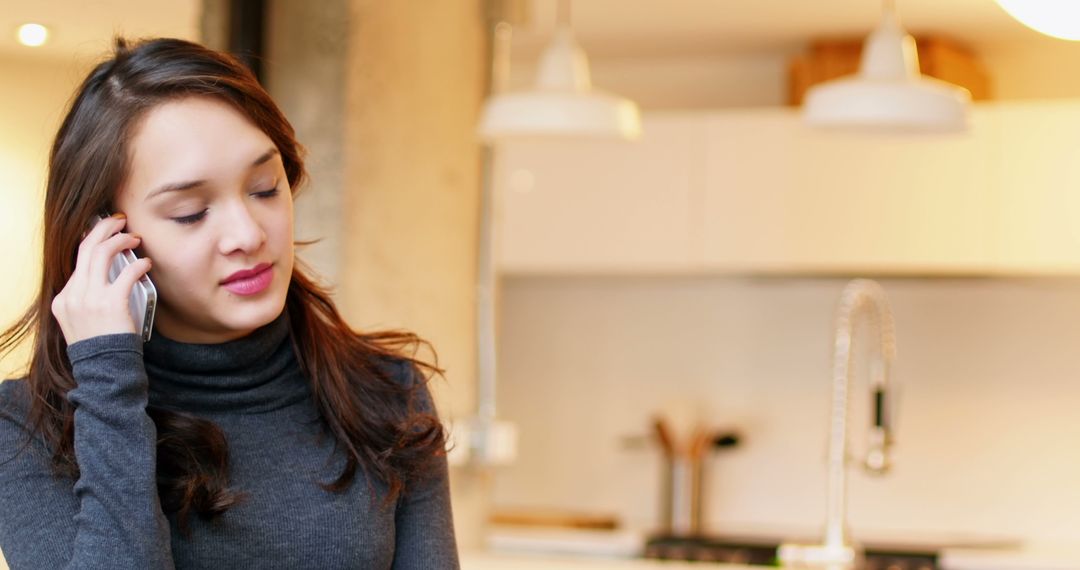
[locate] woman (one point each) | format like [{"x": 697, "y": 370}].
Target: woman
[{"x": 255, "y": 429}]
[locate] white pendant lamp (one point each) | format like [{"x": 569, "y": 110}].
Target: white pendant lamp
[
  {"x": 562, "y": 102},
  {"x": 888, "y": 93},
  {"x": 1056, "y": 18}
]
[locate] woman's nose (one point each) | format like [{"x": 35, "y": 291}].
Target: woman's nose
[{"x": 240, "y": 230}]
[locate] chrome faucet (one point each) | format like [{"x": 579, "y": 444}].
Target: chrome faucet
[{"x": 839, "y": 552}]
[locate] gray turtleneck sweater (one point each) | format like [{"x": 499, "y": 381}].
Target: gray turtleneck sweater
[{"x": 253, "y": 389}]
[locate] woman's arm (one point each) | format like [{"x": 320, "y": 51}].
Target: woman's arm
[
  {"x": 111, "y": 517},
  {"x": 425, "y": 526},
  {"x": 424, "y": 522}
]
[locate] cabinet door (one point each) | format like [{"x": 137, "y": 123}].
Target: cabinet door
[
  {"x": 1039, "y": 216},
  {"x": 780, "y": 197},
  {"x": 601, "y": 206}
]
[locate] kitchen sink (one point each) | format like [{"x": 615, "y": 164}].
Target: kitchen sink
[{"x": 741, "y": 550}]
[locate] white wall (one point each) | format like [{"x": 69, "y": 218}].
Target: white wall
[
  {"x": 32, "y": 102},
  {"x": 986, "y": 431}
]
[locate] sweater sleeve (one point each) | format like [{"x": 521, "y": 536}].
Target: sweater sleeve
[
  {"x": 424, "y": 521},
  {"x": 111, "y": 517}
]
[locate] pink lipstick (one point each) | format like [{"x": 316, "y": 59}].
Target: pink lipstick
[{"x": 250, "y": 281}]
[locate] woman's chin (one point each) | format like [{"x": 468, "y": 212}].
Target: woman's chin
[
  {"x": 248, "y": 318},
  {"x": 221, "y": 324}
]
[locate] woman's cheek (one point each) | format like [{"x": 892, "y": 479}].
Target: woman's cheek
[{"x": 176, "y": 273}]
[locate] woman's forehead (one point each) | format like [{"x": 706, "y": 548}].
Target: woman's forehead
[{"x": 195, "y": 138}]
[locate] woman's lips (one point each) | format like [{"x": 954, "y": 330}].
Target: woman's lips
[{"x": 250, "y": 281}]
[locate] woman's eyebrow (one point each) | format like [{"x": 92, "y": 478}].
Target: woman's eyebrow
[
  {"x": 175, "y": 187},
  {"x": 181, "y": 186},
  {"x": 264, "y": 157}
]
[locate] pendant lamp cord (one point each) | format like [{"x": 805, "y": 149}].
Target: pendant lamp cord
[
  {"x": 500, "y": 59},
  {"x": 562, "y": 17}
]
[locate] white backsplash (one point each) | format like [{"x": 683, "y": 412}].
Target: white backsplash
[{"x": 988, "y": 434}]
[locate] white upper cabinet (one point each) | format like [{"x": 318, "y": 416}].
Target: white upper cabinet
[
  {"x": 601, "y": 206},
  {"x": 755, "y": 191},
  {"x": 780, "y": 197},
  {"x": 1038, "y": 226}
]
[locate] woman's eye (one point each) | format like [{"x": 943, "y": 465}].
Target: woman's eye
[
  {"x": 266, "y": 193},
  {"x": 188, "y": 220}
]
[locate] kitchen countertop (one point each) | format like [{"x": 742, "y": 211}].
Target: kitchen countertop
[
  {"x": 495, "y": 561},
  {"x": 512, "y": 549},
  {"x": 1052, "y": 558},
  {"x": 1040, "y": 557}
]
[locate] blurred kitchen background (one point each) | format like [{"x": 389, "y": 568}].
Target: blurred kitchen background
[{"x": 691, "y": 275}]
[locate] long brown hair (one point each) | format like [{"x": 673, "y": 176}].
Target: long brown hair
[{"x": 382, "y": 425}]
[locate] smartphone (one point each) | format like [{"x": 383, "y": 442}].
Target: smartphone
[{"x": 143, "y": 300}]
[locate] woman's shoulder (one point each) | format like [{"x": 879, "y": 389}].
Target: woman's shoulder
[
  {"x": 17, "y": 441},
  {"x": 402, "y": 371},
  {"x": 14, "y": 410},
  {"x": 14, "y": 403},
  {"x": 14, "y": 395},
  {"x": 409, "y": 378}
]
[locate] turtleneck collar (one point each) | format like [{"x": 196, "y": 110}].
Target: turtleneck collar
[{"x": 256, "y": 373}]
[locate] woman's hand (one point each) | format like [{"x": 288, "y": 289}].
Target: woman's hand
[{"x": 89, "y": 305}]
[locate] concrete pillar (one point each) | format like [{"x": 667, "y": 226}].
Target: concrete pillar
[
  {"x": 415, "y": 84},
  {"x": 305, "y": 70}
]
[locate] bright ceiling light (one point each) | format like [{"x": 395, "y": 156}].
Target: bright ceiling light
[
  {"x": 1057, "y": 18},
  {"x": 888, "y": 94},
  {"x": 32, "y": 35},
  {"x": 562, "y": 102}
]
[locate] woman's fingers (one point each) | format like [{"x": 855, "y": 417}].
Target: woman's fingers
[
  {"x": 103, "y": 254},
  {"x": 125, "y": 282},
  {"x": 97, "y": 234},
  {"x": 89, "y": 305}
]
